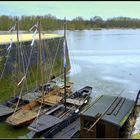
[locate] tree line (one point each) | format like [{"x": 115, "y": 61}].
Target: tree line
[{"x": 50, "y": 22}]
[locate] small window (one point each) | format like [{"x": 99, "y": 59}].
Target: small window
[{"x": 87, "y": 124}]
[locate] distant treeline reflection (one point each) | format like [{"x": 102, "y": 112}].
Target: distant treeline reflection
[{"x": 50, "y": 22}]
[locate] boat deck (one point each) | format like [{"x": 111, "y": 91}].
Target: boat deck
[
  {"x": 50, "y": 99},
  {"x": 39, "y": 125},
  {"x": 69, "y": 131},
  {"x": 20, "y": 116}
]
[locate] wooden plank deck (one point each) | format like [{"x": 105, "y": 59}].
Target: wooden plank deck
[
  {"x": 44, "y": 122},
  {"x": 50, "y": 99}
]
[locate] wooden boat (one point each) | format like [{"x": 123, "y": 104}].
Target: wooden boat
[
  {"x": 69, "y": 126},
  {"x": 8, "y": 107},
  {"x": 37, "y": 92},
  {"x": 65, "y": 129},
  {"x": 5, "y": 111},
  {"x": 29, "y": 112},
  {"x": 53, "y": 98},
  {"x": 74, "y": 104}
]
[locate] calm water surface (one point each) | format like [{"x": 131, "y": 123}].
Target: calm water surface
[{"x": 107, "y": 60}]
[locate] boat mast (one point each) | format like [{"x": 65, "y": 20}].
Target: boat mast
[
  {"x": 18, "y": 47},
  {"x": 17, "y": 25},
  {"x": 64, "y": 47},
  {"x": 41, "y": 61}
]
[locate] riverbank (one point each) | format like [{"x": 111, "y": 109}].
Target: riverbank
[
  {"x": 136, "y": 129},
  {"x": 73, "y": 29}
]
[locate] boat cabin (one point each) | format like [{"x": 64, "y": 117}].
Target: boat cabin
[{"x": 105, "y": 117}]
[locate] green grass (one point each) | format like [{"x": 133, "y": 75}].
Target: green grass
[
  {"x": 6, "y": 88},
  {"x": 136, "y": 136},
  {"x": 7, "y": 131}
]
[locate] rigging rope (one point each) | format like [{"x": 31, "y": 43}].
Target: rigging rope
[
  {"x": 33, "y": 40},
  {"x": 25, "y": 77},
  {"x": 23, "y": 62},
  {"x": 13, "y": 28},
  {"x": 5, "y": 64},
  {"x": 26, "y": 57},
  {"x": 74, "y": 65},
  {"x": 11, "y": 42},
  {"x": 48, "y": 78},
  {"x": 8, "y": 50},
  {"x": 58, "y": 46}
]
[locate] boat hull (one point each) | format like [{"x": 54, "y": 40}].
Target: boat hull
[
  {"x": 84, "y": 92},
  {"x": 30, "y": 111},
  {"x": 3, "y": 117},
  {"x": 20, "y": 124},
  {"x": 5, "y": 112}
]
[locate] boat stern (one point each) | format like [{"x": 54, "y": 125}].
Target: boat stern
[
  {"x": 21, "y": 117},
  {"x": 11, "y": 122}
]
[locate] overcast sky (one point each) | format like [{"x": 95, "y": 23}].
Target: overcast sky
[{"x": 72, "y": 9}]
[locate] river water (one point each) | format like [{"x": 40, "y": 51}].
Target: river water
[{"x": 107, "y": 60}]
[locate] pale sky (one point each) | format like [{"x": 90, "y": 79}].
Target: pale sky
[{"x": 72, "y": 9}]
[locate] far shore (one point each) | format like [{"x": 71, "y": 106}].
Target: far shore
[{"x": 25, "y": 31}]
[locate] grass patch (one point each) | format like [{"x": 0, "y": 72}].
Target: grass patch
[
  {"x": 136, "y": 136},
  {"x": 7, "y": 131}
]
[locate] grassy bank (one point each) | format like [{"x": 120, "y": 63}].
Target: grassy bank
[{"x": 136, "y": 136}]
